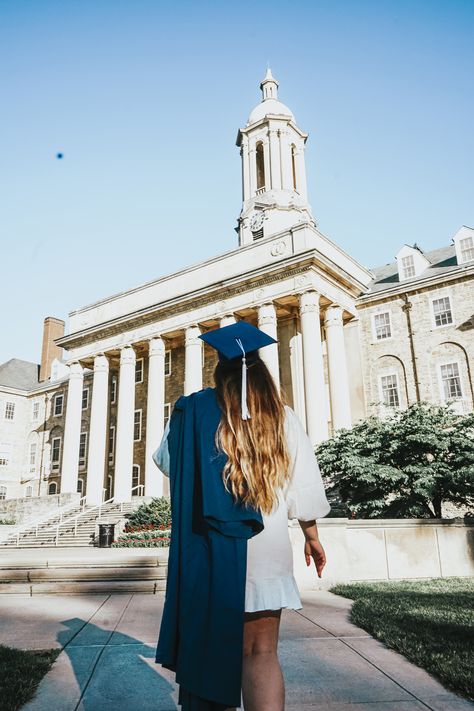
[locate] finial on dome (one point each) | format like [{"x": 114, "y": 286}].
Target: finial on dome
[{"x": 269, "y": 86}]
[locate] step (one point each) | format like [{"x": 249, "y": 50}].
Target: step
[
  {"x": 84, "y": 586},
  {"x": 83, "y": 573}
]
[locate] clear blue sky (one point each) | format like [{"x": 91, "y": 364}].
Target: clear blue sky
[{"x": 144, "y": 99}]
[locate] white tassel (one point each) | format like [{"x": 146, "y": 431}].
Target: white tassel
[{"x": 245, "y": 411}]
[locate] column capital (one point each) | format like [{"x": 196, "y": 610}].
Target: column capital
[
  {"x": 309, "y": 301},
  {"x": 267, "y": 313},
  {"x": 156, "y": 346},
  {"x": 227, "y": 319},
  {"x": 101, "y": 363},
  {"x": 127, "y": 355},
  {"x": 192, "y": 334},
  {"x": 333, "y": 315},
  {"x": 75, "y": 370}
]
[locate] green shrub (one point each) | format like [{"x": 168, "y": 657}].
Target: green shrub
[
  {"x": 156, "y": 513},
  {"x": 146, "y": 538}
]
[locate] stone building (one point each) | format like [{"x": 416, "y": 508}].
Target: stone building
[{"x": 91, "y": 422}]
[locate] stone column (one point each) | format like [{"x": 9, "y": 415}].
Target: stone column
[
  {"x": 192, "y": 360},
  {"x": 245, "y": 169},
  {"x": 267, "y": 321},
  {"x": 253, "y": 169},
  {"x": 275, "y": 160},
  {"x": 300, "y": 172},
  {"x": 285, "y": 157},
  {"x": 125, "y": 422},
  {"x": 72, "y": 430},
  {"x": 337, "y": 366},
  {"x": 314, "y": 385},
  {"x": 98, "y": 439},
  {"x": 154, "y": 415},
  {"x": 227, "y": 320}
]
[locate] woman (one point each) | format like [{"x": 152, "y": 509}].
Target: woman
[{"x": 269, "y": 470}]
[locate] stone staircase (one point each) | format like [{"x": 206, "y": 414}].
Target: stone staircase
[
  {"x": 80, "y": 532},
  {"x": 107, "y": 571}
]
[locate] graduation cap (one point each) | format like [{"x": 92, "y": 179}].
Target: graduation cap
[{"x": 236, "y": 341}]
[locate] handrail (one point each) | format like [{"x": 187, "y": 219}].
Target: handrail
[
  {"x": 36, "y": 522},
  {"x": 141, "y": 489}
]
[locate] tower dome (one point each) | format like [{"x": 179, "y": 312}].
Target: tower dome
[{"x": 270, "y": 103}]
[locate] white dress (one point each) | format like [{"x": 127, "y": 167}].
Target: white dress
[{"x": 270, "y": 583}]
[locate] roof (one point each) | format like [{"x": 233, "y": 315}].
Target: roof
[
  {"x": 442, "y": 261},
  {"x": 20, "y": 374}
]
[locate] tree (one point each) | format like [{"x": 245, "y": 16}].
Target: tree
[{"x": 404, "y": 466}]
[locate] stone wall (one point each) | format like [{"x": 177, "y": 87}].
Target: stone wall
[
  {"x": 386, "y": 549},
  {"x": 26, "y": 509}
]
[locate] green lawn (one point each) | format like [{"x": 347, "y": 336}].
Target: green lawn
[
  {"x": 430, "y": 622},
  {"x": 20, "y": 674}
]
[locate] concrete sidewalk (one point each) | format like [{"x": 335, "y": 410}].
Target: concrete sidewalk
[{"x": 108, "y": 642}]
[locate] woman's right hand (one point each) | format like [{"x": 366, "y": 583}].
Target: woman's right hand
[{"x": 313, "y": 548}]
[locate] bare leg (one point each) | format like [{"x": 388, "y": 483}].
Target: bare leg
[{"x": 263, "y": 687}]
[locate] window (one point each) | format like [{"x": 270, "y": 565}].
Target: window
[
  {"x": 85, "y": 398},
  {"x": 167, "y": 362},
  {"x": 58, "y": 404},
  {"x": 9, "y": 410},
  {"x": 113, "y": 390},
  {"x": 135, "y": 479},
  {"x": 52, "y": 488},
  {"x": 451, "y": 380},
  {"x": 467, "y": 249},
  {"x": 382, "y": 327},
  {"x": 5, "y": 452},
  {"x": 442, "y": 311},
  {"x": 80, "y": 486},
  {"x": 408, "y": 266},
  {"x": 3, "y": 492},
  {"x": 111, "y": 443},
  {"x": 36, "y": 407},
  {"x": 55, "y": 453},
  {"x": 167, "y": 412},
  {"x": 82, "y": 449},
  {"x": 33, "y": 457},
  {"x": 139, "y": 371},
  {"x": 260, "y": 166},
  {"x": 137, "y": 426},
  {"x": 293, "y": 165},
  {"x": 390, "y": 395},
  {"x": 29, "y": 491}
]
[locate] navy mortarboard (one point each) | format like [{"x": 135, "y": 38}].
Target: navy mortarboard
[{"x": 236, "y": 341}]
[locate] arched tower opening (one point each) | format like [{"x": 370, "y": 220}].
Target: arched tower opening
[{"x": 260, "y": 165}]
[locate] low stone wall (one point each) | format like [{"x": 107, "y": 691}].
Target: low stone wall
[
  {"x": 28, "y": 508},
  {"x": 386, "y": 549}
]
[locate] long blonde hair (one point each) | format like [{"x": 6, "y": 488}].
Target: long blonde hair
[{"x": 257, "y": 454}]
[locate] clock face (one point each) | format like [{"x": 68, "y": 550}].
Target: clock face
[{"x": 256, "y": 221}]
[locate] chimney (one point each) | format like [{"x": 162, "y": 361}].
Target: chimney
[{"x": 53, "y": 328}]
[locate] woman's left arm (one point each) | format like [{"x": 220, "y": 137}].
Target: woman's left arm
[{"x": 162, "y": 455}]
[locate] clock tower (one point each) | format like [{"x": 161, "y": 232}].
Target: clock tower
[{"x": 273, "y": 170}]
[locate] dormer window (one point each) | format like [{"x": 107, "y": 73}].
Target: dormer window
[
  {"x": 464, "y": 244},
  {"x": 466, "y": 247},
  {"x": 408, "y": 266}
]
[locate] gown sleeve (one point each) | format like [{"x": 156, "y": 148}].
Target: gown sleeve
[
  {"x": 305, "y": 495},
  {"x": 162, "y": 455}
]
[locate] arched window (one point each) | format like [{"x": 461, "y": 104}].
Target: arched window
[
  {"x": 260, "y": 166},
  {"x": 293, "y": 165},
  {"x": 29, "y": 491},
  {"x": 53, "y": 488},
  {"x": 3, "y": 492},
  {"x": 135, "y": 480}
]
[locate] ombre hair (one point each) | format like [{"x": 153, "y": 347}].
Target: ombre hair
[{"x": 257, "y": 454}]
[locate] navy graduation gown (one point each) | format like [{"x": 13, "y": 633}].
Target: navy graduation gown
[{"x": 201, "y": 633}]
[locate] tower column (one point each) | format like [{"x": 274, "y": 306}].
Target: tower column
[
  {"x": 245, "y": 168},
  {"x": 192, "y": 360},
  {"x": 275, "y": 160},
  {"x": 154, "y": 415},
  {"x": 267, "y": 322},
  {"x": 98, "y": 431},
  {"x": 266, "y": 163},
  {"x": 72, "y": 430},
  {"x": 314, "y": 385},
  {"x": 337, "y": 366},
  {"x": 300, "y": 172},
  {"x": 125, "y": 423},
  {"x": 285, "y": 158},
  {"x": 253, "y": 168}
]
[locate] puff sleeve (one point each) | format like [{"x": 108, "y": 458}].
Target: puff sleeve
[
  {"x": 304, "y": 493},
  {"x": 162, "y": 456}
]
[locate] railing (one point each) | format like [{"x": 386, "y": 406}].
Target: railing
[
  {"x": 76, "y": 518},
  {"x": 141, "y": 489},
  {"x": 260, "y": 191},
  {"x": 36, "y": 523}
]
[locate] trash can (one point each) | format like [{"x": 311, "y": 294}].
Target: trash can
[{"x": 106, "y": 534}]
